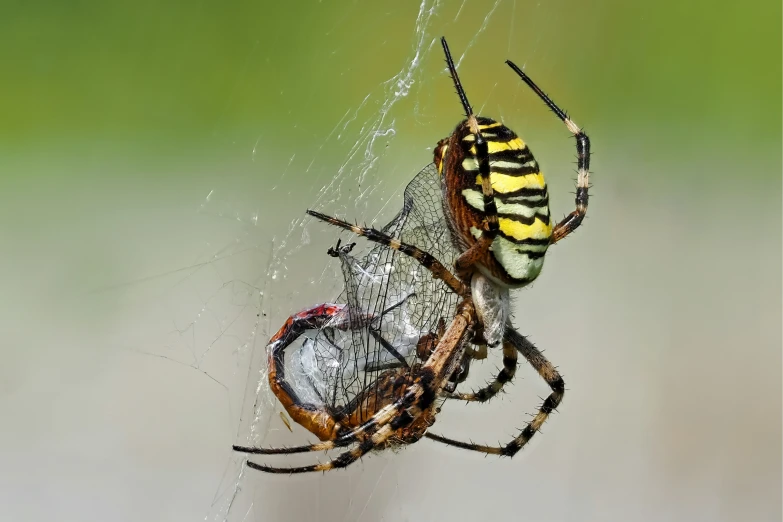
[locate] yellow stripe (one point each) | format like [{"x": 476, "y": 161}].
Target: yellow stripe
[
  {"x": 505, "y": 183},
  {"x": 537, "y": 230},
  {"x": 490, "y": 126},
  {"x": 497, "y": 146}
]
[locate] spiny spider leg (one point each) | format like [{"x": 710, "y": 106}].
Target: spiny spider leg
[
  {"x": 343, "y": 460},
  {"x": 548, "y": 372},
  {"x": 574, "y": 219},
  {"x": 505, "y": 376},
  {"x": 321, "y": 446},
  {"x": 425, "y": 259},
  {"x": 466, "y": 260}
]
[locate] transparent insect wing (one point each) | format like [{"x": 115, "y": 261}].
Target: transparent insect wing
[{"x": 391, "y": 302}]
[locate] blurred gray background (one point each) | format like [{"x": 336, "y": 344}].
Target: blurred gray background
[{"x": 155, "y": 165}]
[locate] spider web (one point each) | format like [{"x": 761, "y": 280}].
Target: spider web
[{"x": 237, "y": 293}]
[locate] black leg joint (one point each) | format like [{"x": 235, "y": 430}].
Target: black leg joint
[
  {"x": 581, "y": 196},
  {"x": 550, "y": 404},
  {"x": 583, "y": 150},
  {"x": 557, "y": 385}
]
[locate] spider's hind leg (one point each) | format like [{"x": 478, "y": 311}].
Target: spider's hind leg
[
  {"x": 505, "y": 376},
  {"x": 549, "y": 373}
]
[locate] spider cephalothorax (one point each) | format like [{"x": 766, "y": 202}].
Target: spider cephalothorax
[{"x": 428, "y": 299}]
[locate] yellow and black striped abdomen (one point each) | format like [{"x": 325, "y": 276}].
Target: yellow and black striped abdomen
[{"x": 521, "y": 197}]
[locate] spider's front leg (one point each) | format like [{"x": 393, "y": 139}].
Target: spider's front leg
[
  {"x": 465, "y": 263},
  {"x": 425, "y": 259},
  {"x": 574, "y": 219}
]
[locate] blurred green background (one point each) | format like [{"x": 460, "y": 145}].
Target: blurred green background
[{"x": 155, "y": 164}]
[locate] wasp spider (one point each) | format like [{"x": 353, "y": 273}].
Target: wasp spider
[{"x": 428, "y": 299}]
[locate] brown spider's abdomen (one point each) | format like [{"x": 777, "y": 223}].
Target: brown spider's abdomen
[{"x": 520, "y": 192}]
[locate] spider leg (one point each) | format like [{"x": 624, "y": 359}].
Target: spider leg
[
  {"x": 342, "y": 461},
  {"x": 548, "y": 372},
  {"x": 424, "y": 258},
  {"x": 505, "y": 375},
  {"x": 467, "y": 259},
  {"x": 321, "y": 446},
  {"x": 574, "y": 219}
]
